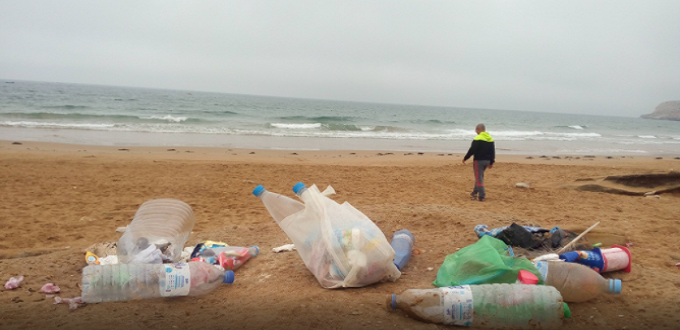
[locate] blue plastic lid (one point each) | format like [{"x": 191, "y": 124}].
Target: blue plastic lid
[
  {"x": 257, "y": 249},
  {"x": 569, "y": 256},
  {"x": 298, "y": 186},
  {"x": 258, "y": 190},
  {"x": 615, "y": 286},
  {"x": 394, "y": 301},
  {"x": 228, "y": 277}
]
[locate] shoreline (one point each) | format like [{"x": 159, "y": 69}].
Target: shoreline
[
  {"x": 321, "y": 144},
  {"x": 335, "y": 157}
]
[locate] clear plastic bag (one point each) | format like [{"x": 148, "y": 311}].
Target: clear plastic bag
[{"x": 341, "y": 246}]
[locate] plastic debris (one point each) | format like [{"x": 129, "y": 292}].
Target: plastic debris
[
  {"x": 151, "y": 255},
  {"x": 547, "y": 257},
  {"x": 109, "y": 260},
  {"x": 282, "y": 248},
  {"x": 50, "y": 288},
  {"x": 91, "y": 258},
  {"x": 13, "y": 282},
  {"x": 72, "y": 302}
]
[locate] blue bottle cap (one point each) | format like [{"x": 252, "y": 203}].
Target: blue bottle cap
[
  {"x": 615, "y": 286},
  {"x": 394, "y": 301},
  {"x": 228, "y": 277},
  {"x": 258, "y": 190},
  {"x": 257, "y": 250},
  {"x": 569, "y": 256},
  {"x": 297, "y": 187}
]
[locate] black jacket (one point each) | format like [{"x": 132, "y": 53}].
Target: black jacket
[{"x": 483, "y": 148}]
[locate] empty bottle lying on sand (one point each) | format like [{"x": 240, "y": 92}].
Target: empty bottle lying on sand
[
  {"x": 402, "y": 243},
  {"x": 157, "y": 233},
  {"x": 576, "y": 282},
  {"x": 229, "y": 257},
  {"x": 602, "y": 260},
  {"x": 497, "y": 306},
  {"x": 279, "y": 206},
  {"x": 119, "y": 282}
]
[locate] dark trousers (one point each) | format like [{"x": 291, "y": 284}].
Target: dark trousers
[{"x": 479, "y": 167}]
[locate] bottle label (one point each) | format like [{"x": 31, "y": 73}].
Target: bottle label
[
  {"x": 457, "y": 305},
  {"x": 542, "y": 267},
  {"x": 177, "y": 280}
]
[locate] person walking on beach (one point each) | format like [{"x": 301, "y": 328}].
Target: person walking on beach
[{"x": 484, "y": 152}]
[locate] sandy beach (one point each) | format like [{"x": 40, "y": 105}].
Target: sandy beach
[{"x": 58, "y": 199}]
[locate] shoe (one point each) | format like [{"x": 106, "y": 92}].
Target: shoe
[
  {"x": 473, "y": 197},
  {"x": 481, "y": 199}
]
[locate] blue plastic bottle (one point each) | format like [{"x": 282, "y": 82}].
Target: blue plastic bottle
[{"x": 402, "y": 243}]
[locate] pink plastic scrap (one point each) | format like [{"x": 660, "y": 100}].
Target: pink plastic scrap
[
  {"x": 13, "y": 282},
  {"x": 50, "y": 288},
  {"x": 72, "y": 302}
]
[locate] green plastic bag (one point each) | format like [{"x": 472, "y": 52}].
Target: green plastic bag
[{"x": 486, "y": 261}]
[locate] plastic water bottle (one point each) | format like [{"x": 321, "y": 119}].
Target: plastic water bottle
[
  {"x": 402, "y": 243},
  {"x": 159, "y": 225},
  {"x": 118, "y": 282},
  {"x": 299, "y": 188},
  {"x": 602, "y": 260},
  {"x": 576, "y": 282},
  {"x": 279, "y": 206},
  {"x": 498, "y": 306},
  {"x": 231, "y": 257}
]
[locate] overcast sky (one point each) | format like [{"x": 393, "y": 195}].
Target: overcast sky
[{"x": 619, "y": 57}]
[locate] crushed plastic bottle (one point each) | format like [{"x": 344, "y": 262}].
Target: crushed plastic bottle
[{"x": 230, "y": 257}]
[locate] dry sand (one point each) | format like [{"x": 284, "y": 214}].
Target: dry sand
[{"x": 59, "y": 199}]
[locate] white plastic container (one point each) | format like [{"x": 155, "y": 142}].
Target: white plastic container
[
  {"x": 497, "y": 306},
  {"x": 576, "y": 282},
  {"x": 121, "y": 282},
  {"x": 157, "y": 233}
]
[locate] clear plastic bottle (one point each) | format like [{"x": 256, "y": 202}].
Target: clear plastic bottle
[
  {"x": 498, "y": 306},
  {"x": 119, "y": 282},
  {"x": 165, "y": 223},
  {"x": 402, "y": 243},
  {"x": 279, "y": 206},
  {"x": 231, "y": 257},
  {"x": 576, "y": 282}
]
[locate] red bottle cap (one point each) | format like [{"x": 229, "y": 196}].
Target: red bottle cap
[{"x": 527, "y": 277}]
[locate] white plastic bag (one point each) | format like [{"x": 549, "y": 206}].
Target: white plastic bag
[{"x": 341, "y": 246}]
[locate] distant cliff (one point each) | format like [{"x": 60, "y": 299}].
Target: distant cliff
[{"x": 668, "y": 110}]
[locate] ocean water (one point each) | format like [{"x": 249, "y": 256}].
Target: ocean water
[{"x": 106, "y": 115}]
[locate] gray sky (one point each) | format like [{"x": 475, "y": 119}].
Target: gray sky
[{"x": 619, "y": 57}]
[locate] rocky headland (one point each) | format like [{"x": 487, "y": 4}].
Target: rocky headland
[{"x": 669, "y": 110}]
